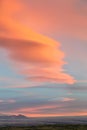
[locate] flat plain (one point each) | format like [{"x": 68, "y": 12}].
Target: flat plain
[{"x": 46, "y": 127}]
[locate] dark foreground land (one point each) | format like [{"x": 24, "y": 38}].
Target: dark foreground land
[{"x": 47, "y": 127}]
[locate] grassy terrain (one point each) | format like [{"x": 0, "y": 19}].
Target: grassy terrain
[{"x": 47, "y": 127}]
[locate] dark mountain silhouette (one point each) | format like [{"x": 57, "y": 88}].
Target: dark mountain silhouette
[{"x": 7, "y": 117}]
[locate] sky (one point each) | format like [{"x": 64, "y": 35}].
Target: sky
[{"x": 43, "y": 65}]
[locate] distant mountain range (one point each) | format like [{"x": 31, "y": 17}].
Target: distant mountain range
[
  {"x": 12, "y": 117},
  {"x": 21, "y": 120}
]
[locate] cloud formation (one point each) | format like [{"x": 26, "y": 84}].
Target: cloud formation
[
  {"x": 10, "y": 101},
  {"x": 45, "y": 109},
  {"x": 66, "y": 18},
  {"x": 68, "y": 99},
  {"x": 41, "y": 54}
]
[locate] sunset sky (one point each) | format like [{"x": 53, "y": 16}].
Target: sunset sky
[{"x": 43, "y": 57}]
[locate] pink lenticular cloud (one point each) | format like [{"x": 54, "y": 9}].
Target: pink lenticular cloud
[
  {"x": 28, "y": 47},
  {"x": 68, "y": 18}
]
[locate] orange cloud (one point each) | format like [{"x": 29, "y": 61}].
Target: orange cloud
[
  {"x": 28, "y": 47},
  {"x": 35, "y": 112},
  {"x": 58, "y": 114},
  {"x": 51, "y": 115},
  {"x": 68, "y": 18}
]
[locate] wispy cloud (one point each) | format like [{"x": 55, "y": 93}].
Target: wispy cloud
[
  {"x": 66, "y": 99},
  {"x": 10, "y": 101}
]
